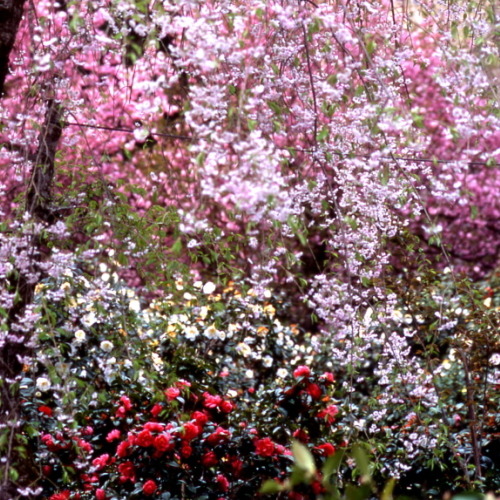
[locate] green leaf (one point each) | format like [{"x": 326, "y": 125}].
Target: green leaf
[
  {"x": 304, "y": 459},
  {"x": 362, "y": 461},
  {"x": 388, "y": 489},
  {"x": 270, "y": 487}
]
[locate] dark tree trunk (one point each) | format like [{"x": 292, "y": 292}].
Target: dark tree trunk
[
  {"x": 11, "y": 12},
  {"x": 12, "y": 354}
]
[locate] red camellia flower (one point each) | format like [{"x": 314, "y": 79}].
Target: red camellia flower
[
  {"x": 172, "y": 392},
  {"x": 236, "y": 465},
  {"x": 84, "y": 445},
  {"x": 185, "y": 450},
  {"x": 122, "y": 449},
  {"x": 162, "y": 442},
  {"x": 191, "y": 430},
  {"x": 127, "y": 471},
  {"x": 100, "y": 494},
  {"x": 63, "y": 495},
  {"x": 156, "y": 410},
  {"x": 301, "y": 435},
  {"x": 222, "y": 482},
  {"x": 113, "y": 435},
  {"x": 264, "y": 447},
  {"x": 144, "y": 438},
  {"x": 220, "y": 434},
  {"x": 227, "y": 406},
  {"x": 326, "y": 449},
  {"x": 149, "y": 487},
  {"x": 154, "y": 427},
  {"x": 329, "y": 413},
  {"x": 201, "y": 417},
  {"x": 46, "y": 410},
  {"x": 209, "y": 459},
  {"x": 314, "y": 391},
  {"x": 101, "y": 461},
  {"x": 211, "y": 401},
  {"x": 301, "y": 371},
  {"x": 328, "y": 377},
  {"x": 125, "y": 401}
]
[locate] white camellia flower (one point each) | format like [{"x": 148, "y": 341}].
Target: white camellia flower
[
  {"x": 80, "y": 337},
  {"x": 191, "y": 332},
  {"x": 107, "y": 346},
  {"x": 43, "y": 384},
  {"x": 134, "y": 305},
  {"x": 208, "y": 288}
]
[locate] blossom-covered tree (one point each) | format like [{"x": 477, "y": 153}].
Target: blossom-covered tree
[{"x": 340, "y": 158}]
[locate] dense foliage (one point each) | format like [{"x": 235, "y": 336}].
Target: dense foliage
[{"x": 250, "y": 247}]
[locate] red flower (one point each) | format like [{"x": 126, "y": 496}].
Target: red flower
[
  {"x": 209, "y": 459},
  {"x": 227, "y": 406},
  {"x": 162, "y": 442},
  {"x": 122, "y": 449},
  {"x": 191, "y": 430},
  {"x": 314, "y": 391},
  {"x": 156, "y": 410},
  {"x": 63, "y": 495},
  {"x": 127, "y": 471},
  {"x": 301, "y": 371},
  {"x": 211, "y": 401},
  {"x": 236, "y": 466},
  {"x": 301, "y": 436},
  {"x": 154, "y": 427},
  {"x": 222, "y": 482},
  {"x": 201, "y": 417},
  {"x": 264, "y": 447},
  {"x": 329, "y": 413},
  {"x": 84, "y": 445},
  {"x": 46, "y": 410},
  {"x": 220, "y": 434},
  {"x": 186, "y": 450},
  {"x": 101, "y": 461},
  {"x": 100, "y": 494},
  {"x": 329, "y": 377},
  {"x": 149, "y": 487},
  {"x": 326, "y": 449},
  {"x": 144, "y": 438},
  {"x": 172, "y": 392},
  {"x": 113, "y": 435},
  {"x": 125, "y": 401}
]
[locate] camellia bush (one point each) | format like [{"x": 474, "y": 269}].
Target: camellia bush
[{"x": 249, "y": 248}]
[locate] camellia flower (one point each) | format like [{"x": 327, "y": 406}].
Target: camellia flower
[
  {"x": 301, "y": 371},
  {"x": 43, "y": 384},
  {"x": 264, "y": 447},
  {"x": 191, "y": 430},
  {"x": 314, "y": 391},
  {"x": 162, "y": 442},
  {"x": 63, "y": 495},
  {"x": 46, "y": 410},
  {"x": 144, "y": 439},
  {"x": 113, "y": 435},
  {"x": 172, "y": 392},
  {"x": 149, "y": 487},
  {"x": 101, "y": 461},
  {"x": 100, "y": 494},
  {"x": 211, "y": 401},
  {"x": 326, "y": 449},
  {"x": 107, "y": 346},
  {"x": 329, "y": 413},
  {"x": 209, "y": 459},
  {"x": 222, "y": 482},
  {"x": 208, "y": 288},
  {"x": 127, "y": 471}
]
